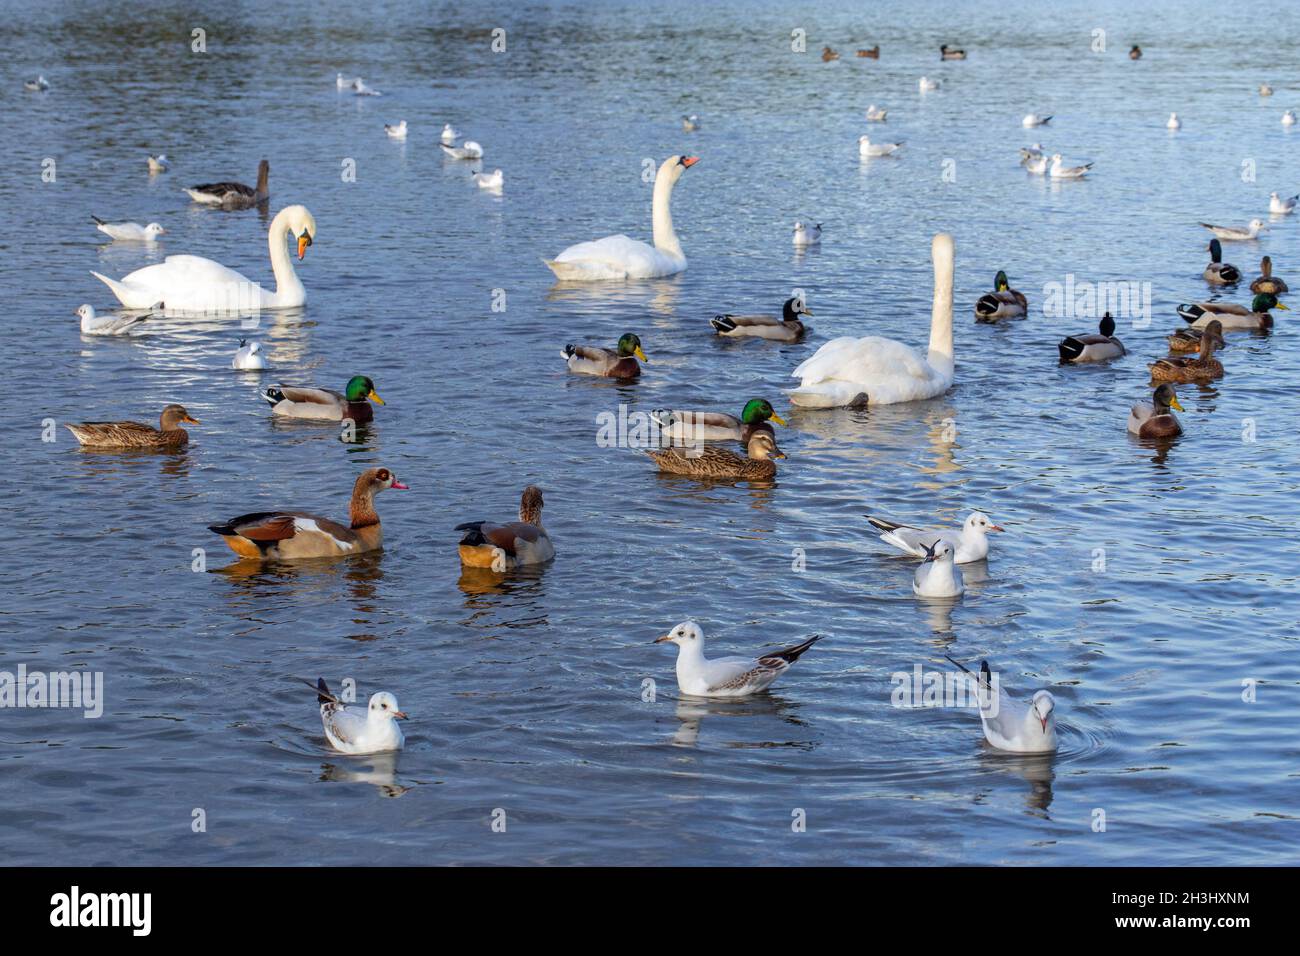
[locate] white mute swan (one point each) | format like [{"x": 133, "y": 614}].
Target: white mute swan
[
  {"x": 195, "y": 284},
  {"x": 879, "y": 371},
  {"x": 618, "y": 257}
]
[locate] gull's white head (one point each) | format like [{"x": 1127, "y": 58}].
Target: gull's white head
[
  {"x": 86, "y": 312},
  {"x": 939, "y": 551},
  {"x": 153, "y": 230},
  {"x": 383, "y": 706},
  {"x": 1257, "y": 224},
  {"x": 979, "y": 523},
  {"x": 1056, "y": 159},
  {"x": 1043, "y": 705},
  {"x": 252, "y": 348},
  {"x": 685, "y": 634}
]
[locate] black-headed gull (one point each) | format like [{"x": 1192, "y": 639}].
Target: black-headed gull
[
  {"x": 493, "y": 180},
  {"x": 726, "y": 676},
  {"x": 350, "y": 731},
  {"x": 449, "y": 135},
  {"x": 1281, "y": 206},
  {"x": 690, "y": 123},
  {"x": 38, "y": 85},
  {"x": 344, "y": 83},
  {"x": 1012, "y": 725},
  {"x": 129, "y": 231},
  {"x": 971, "y": 541},
  {"x": 159, "y": 163},
  {"x": 1034, "y": 119},
  {"x": 938, "y": 576},
  {"x": 1288, "y": 118},
  {"x": 360, "y": 89},
  {"x": 93, "y": 324},
  {"x": 807, "y": 235},
  {"x": 248, "y": 357},
  {"x": 925, "y": 84},
  {"x": 1058, "y": 169},
  {"x": 468, "y": 150},
  {"x": 397, "y": 131},
  {"x": 867, "y": 148},
  {"x": 875, "y": 114},
  {"x": 1235, "y": 233},
  {"x": 1174, "y": 122}
]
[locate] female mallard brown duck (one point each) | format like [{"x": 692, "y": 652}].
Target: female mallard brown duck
[
  {"x": 294, "y": 535},
  {"x": 714, "y": 462},
  {"x": 1188, "y": 369},
  {"x": 169, "y": 434},
  {"x": 872, "y": 54},
  {"x": 1094, "y": 346},
  {"x": 828, "y": 54},
  {"x": 718, "y": 426},
  {"x": 505, "y": 546},
  {"x": 1233, "y": 317},
  {"x": 1154, "y": 419},
  {"x": 1003, "y": 302},
  {"x": 305, "y": 401},
  {"x": 1219, "y": 272},
  {"x": 787, "y": 328},
  {"x": 1267, "y": 282},
  {"x": 620, "y": 363},
  {"x": 1189, "y": 339}
]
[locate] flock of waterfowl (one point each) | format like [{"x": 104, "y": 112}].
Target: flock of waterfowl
[{"x": 843, "y": 372}]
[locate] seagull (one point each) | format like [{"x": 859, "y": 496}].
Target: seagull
[
  {"x": 1174, "y": 122},
  {"x": 807, "y": 235},
  {"x": 1060, "y": 171},
  {"x": 396, "y": 132},
  {"x": 725, "y": 676},
  {"x": 129, "y": 231},
  {"x": 926, "y": 84},
  {"x": 938, "y": 575},
  {"x": 876, "y": 115},
  {"x": 1013, "y": 725},
  {"x": 1033, "y": 119},
  {"x": 971, "y": 542},
  {"x": 1288, "y": 118},
  {"x": 1035, "y": 164},
  {"x": 470, "y": 150},
  {"x": 343, "y": 83},
  {"x": 92, "y": 324},
  {"x": 1265, "y": 90},
  {"x": 1234, "y": 234},
  {"x": 493, "y": 180},
  {"x": 690, "y": 123},
  {"x": 354, "y": 733},
  {"x": 158, "y": 164},
  {"x": 249, "y": 357},
  {"x": 867, "y": 148},
  {"x": 449, "y": 135},
  {"x": 1280, "y": 206},
  {"x": 359, "y": 87},
  {"x": 38, "y": 85}
]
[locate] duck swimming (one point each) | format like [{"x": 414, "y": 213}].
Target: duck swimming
[{"x": 168, "y": 434}]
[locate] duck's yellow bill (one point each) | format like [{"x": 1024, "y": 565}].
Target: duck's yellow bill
[
  {"x": 777, "y": 418},
  {"x": 192, "y": 421},
  {"x": 1175, "y": 403},
  {"x": 639, "y": 354},
  {"x": 1283, "y": 306},
  {"x": 374, "y": 397}
]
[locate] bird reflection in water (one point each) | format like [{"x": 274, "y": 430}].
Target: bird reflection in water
[
  {"x": 691, "y": 712},
  {"x": 1037, "y": 770},
  {"x": 378, "y": 770}
]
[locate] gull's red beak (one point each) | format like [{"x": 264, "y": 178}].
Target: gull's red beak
[
  {"x": 996, "y": 527},
  {"x": 1043, "y": 721},
  {"x": 399, "y": 715}
]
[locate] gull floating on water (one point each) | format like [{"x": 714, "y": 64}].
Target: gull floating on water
[
  {"x": 938, "y": 575},
  {"x": 1174, "y": 122},
  {"x": 807, "y": 235},
  {"x": 396, "y": 132},
  {"x": 868, "y": 148},
  {"x": 690, "y": 123},
  {"x": 249, "y": 357},
  {"x": 449, "y": 135},
  {"x": 469, "y": 150},
  {"x": 493, "y": 180},
  {"x": 158, "y": 164},
  {"x": 725, "y": 676},
  {"x": 925, "y": 84},
  {"x": 1059, "y": 170},
  {"x": 129, "y": 231},
  {"x": 38, "y": 85},
  {"x": 360, "y": 89},
  {"x": 343, "y": 83},
  {"x": 971, "y": 542},
  {"x": 352, "y": 732},
  {"x": 92, "y": 324},
  {"x": 1288, "y": 118},
  {"x": 1281, "y": 207},
  {"x": 876, "y": 115},
  {"x": 1013, "y": 725},
  {"x": 1235, "y": 234},
  {"x": 1033, "y": 119}
]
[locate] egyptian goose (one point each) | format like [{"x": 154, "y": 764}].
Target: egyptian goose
[{"x": 510, "y": 545}]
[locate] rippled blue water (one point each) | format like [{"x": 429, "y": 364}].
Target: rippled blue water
[{"x": 526, "y": 693}]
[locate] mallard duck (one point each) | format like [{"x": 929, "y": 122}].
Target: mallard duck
[
  {"x": 1135, "y": 53},
  {"x": 504, "y": 546},
  {"x": 718, "y": 426},
  {"x": 1154, "y": 419},
  {"x": 948, "y": 53},
  {"x": 592, "y": 360},
  {"x": 234, "y": 195},
  {"x": 1233, "y": 317},
  {"x": 292, "y": 535},
  {"x": 1093, "y": 347},
  {"x": 872, "y": 54},
  {"x": 1219, "y": 272},
  {"x": 1003, "y": 302},
  {"x": 787, "y": 328},
  {"x": 305, "y": 401},
  {"x": 1188, "y": 369},
  {"x": 1189, "y": 339},
  {"x": 712, "y": 461},
  {"x": 1267, "y": 282},
  {"x": 169, "y": 434},
  {"x": 828, "y": 54}
]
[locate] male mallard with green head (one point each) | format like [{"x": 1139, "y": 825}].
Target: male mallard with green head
[
  {"x": 1003, "y": 302},
  {"x": 618, "y": 363},
  {"x": 1093, "y": 346},
  {"x": 321, "y": 404},
  {"x": 1233, "y": 317},
  {"x": 716, "y": 463},
  {"x": 1219, "y": 272},
  {"x": 718, "y": 426},
  {"x": 168, "y": 434},
  {"x": 785, "y": 328}
]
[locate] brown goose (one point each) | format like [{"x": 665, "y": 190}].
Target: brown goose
[
  {"x": 718, "y": 463},
  {"x": 293, "y": 535},
  {"x": 169, "y": 434},
  {"x": 510, "y": 545},
  {"x": 234, "y": 195}
]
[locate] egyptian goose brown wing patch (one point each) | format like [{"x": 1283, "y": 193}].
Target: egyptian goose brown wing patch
[{"x": 259, "y": 526}]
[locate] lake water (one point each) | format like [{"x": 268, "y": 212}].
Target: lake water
[{"x": 1149, "y": 588}]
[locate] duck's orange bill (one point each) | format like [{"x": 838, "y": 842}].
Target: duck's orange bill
[
  {"x": 192, "y": 421},
  {"x": 303, "y": 242},
  {"x": 690, "y": 161}
]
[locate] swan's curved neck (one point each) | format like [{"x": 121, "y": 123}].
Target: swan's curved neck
[
  {"x": 288, "y": 287},
  {"x": 664, "y": 235},
  {"x": 941, "y": 317}
]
